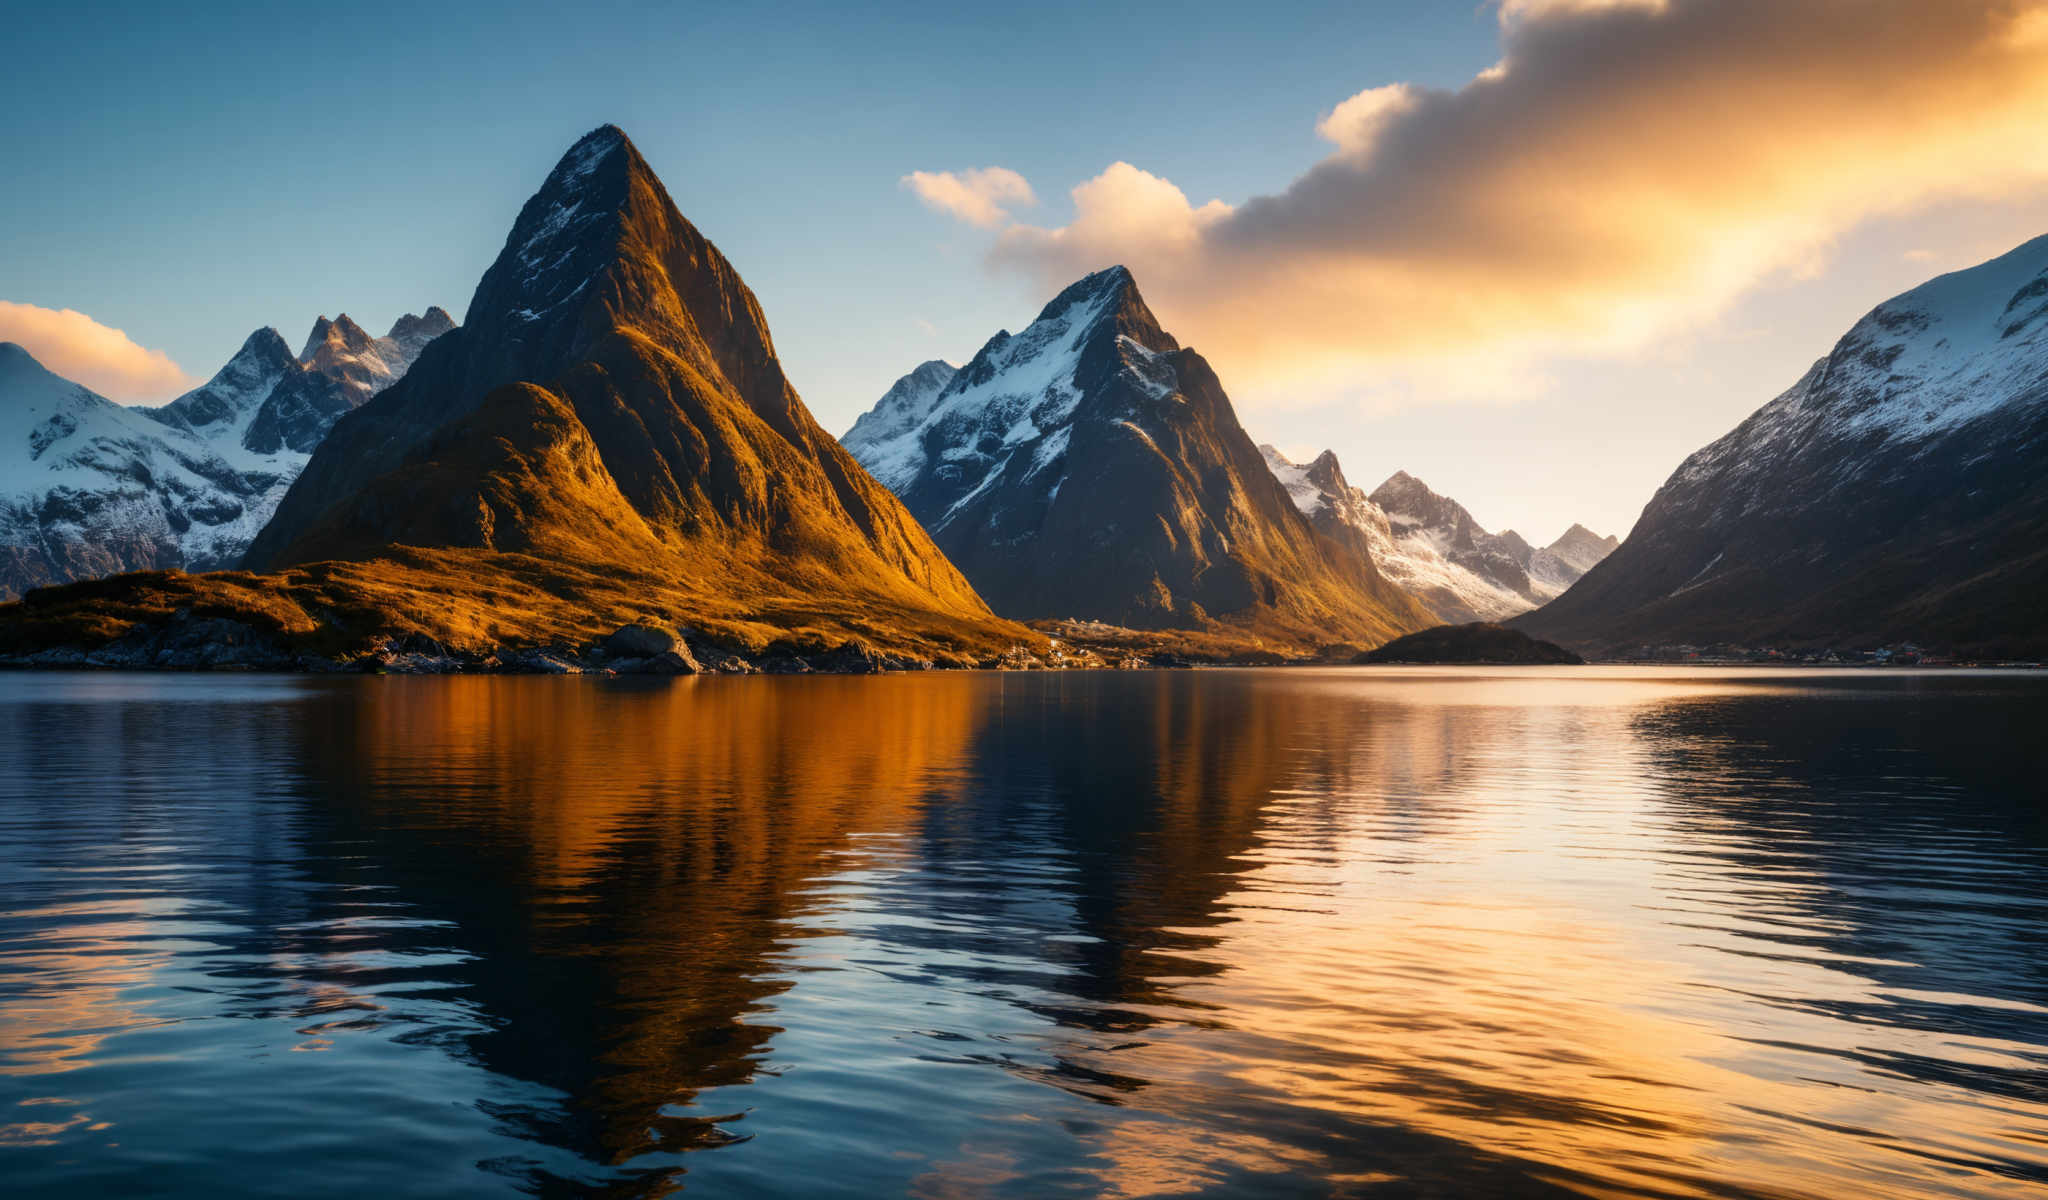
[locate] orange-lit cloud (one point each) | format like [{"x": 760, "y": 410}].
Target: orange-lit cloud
[
  {"x": 982, "y": 196},
  {"x": 85, "y": 351},
  {"x": 1627, "y": 168}
]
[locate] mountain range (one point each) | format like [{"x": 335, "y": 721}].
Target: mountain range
[
  {"x": 609, "y": 439},
  {"x": 89, "y": 487},
  {"x": 1091, "y": 468},
  {"x": 1430, "y": 546},
  {"x": 609, "y": 443},
  {"x": 1895, "y": 493}
]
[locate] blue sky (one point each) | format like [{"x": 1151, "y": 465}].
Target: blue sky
[{"x": 188, "y": 176}]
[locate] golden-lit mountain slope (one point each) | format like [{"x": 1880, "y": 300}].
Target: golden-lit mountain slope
[{"x": 609, "y": 438}]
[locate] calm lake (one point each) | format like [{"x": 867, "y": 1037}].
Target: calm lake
[{"x": 1376, "y": 932}]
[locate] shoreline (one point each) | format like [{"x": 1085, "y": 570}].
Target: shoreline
[{"x": 551, "y": 665}]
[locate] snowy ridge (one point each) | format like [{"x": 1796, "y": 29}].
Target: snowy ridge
[
  {"x": 1018, "y": 395},
  {"x": 1429, "y": 546},
  {"x": 1892, "y": 493},
  {"x": 1956, "y": 349},
  {"x": 89, "y": 487},
  {"x": 904, "y": 406},
  {"x": 1963, "y": 348}
]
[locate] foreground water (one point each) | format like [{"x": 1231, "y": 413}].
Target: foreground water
[{"x": 1409, "y": 933}]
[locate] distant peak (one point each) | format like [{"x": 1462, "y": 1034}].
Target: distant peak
[
  {"x": 341, "y": 330},
  {"x": 266, "y": 342},
  {"x": 433, "y": 323},
  {"x": 314, "y": 340},
  {"x": 1327, "y": 458}
]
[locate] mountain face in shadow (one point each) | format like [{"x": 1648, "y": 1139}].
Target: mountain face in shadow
[
  {"x": 1895, "y": 494},
  {"x": 1091, "y": 467},
  {"x": 608, "y": 438}
]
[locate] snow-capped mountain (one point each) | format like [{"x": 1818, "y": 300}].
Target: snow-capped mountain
[
  {"x": 1897, "y": 492},
  {"x": 341, "y": 368},
  {"x": 1562, "y": 563},
  {"x": 91, "y": 488},
  {"x": 907, "y": 402},
  {"x": 1091, "y": 467},
  {"x": 1430, "y": 546}
]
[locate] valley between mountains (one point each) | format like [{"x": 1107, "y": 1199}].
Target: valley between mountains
[{"x": 604, "y": 467}]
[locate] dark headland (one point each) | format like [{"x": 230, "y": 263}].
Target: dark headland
[{"x": 1480, "y": 643}]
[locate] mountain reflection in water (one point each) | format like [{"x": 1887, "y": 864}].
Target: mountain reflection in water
[{"x": 1589, "y": 931}]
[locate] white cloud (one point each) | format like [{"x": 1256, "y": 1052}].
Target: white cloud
[{"x": 982, "y": 196}]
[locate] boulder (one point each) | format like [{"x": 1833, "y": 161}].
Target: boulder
[{"x": 645, "y": 641}]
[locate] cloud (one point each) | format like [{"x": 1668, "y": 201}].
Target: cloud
[
  {"x": 1626, "y": 169},
  {"x": 980, "y": 196},
  {"x": 84, "y": 351}
]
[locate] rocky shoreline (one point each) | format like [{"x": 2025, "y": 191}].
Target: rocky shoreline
[{"x": 189, "y": 642}]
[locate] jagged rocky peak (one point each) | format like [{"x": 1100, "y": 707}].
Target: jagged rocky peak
[
  {"x": 266, "y": 345},
  {"x": 237, "y": 389},
  {"x": 430, "y": 324},
  {"x": 1429, "y": 544},
  {"x": 411, "y": 333},
  {"x": 1410, "y": 501},
  {"x": 330, "y": 339}
]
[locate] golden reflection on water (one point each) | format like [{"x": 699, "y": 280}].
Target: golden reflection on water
[{"x": 1598, "y": 932}]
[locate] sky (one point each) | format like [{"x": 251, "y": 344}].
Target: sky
[{"x": 1532, "y": 251}]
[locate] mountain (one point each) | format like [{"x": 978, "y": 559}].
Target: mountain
[
  {"x": 92, "y": 487},
  {"x": 1563, "y": 562},
  {"x": 609, "y": 438},
  {"x": 1090, "y": 467},
  {"x": 903, "y": 406},
  {"x": 1898, "y": 492},
  {"x": 271, "y": 403},
  {"x": 1430, "y": 546}
]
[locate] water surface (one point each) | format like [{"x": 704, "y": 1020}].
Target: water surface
[{"x": 1591, "y": 931}]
